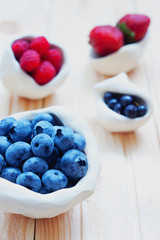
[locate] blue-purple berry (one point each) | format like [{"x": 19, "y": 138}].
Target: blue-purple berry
[
  {"x": 79, "y": 142},
  {"x": 10, "y": 174},
  {"x": 4, "y": 144},
  {"x": 42, "y": 145},
  {"x": 112, "y": 103},
  {"x": 142, "y": 110},
  {"x": 131, "y": 111},
  {"x": 43, "y": 127},
  {"x": 125, "y": 100},
  {"x": 29, "y": 180},
  {"x": 17, "y": 153},
  {"x": 74, "y": 164},
  {"x": 43, "y": 117},
  {"x": 21, "y": 131},
  {"x": 63, "y": 138},
  {"x": 36, "y": 165},
  {"x": 54, "y": 180},
  {"x": 6, "y": 125}
]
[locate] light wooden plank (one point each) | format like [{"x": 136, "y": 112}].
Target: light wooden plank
[
  {"x": 16, "y": 227},
  {"x": 145, "y": 159}
]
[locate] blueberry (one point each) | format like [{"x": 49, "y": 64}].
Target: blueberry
[
  {"x": 112, "y": 103},
  {"x": 74, "y": 164},
  {"x": 108, "y": 96},
  {"x": 43, "y": 127},
  {"x": 36, "y": 165},
  {"x": 43, "y": 190},
  {"x": 42, "y": 145},
  {"x": 17, "y": 153},
  {"x": 131, "y": 111},
  {"x": 54, "y": 180},
  {"x": 142, "y": 110},
  {"x": 125, "y": 100},
  {"x": 52, "y": 158},
  {"x": 4, "y": 144},
  {"x": 21, "y": 131},
  {"x": 29, "y": 180},
  {"x": 57, "y": 120},
  {"x": 43, "y": 117},
  {"x": 79, "y": 142},
  {"x": 118, "y": 108},
  {"x": 63, "y": 138},
  {"x": 6, "y": 125},
  {"x": 10, "y": 174},
  {"x": 58, "y": 164},
  {"x": 3, "y": 163}
]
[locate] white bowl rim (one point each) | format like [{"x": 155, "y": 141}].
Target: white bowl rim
[
  {"x": 124, "y": 48},
  {"x": 63, "y": 197}
]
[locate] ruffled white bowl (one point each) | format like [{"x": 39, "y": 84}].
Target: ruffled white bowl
[
  {"x": 111, "y": 120},
  {"x": 19, "y": 82},
  {"x": 18, "y": 199},
  {"x": 123, "y": 60}
]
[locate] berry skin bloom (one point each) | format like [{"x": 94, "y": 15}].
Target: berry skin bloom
[
  {"x": 30, "y": 61},
  {"x": 40, "y": 44},
  {"x": 19, "y": 47},
  {"x": 106, "y": 39},
  {"x": 44, "y": 73},
  {"x": 134, "y": 26},
  {"x": 55, "y": 57}
]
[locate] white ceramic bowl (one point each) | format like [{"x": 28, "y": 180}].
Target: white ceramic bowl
[
  {"x": 18, "y": 199},
  {"x": 123, "y": 60},
  {"x": 111, "y": 120},
  {"x": 19, "y": 82}
]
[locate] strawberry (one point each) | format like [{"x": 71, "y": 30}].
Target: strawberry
[
  {"x": 105, "y": 39},
  {"x": 134, "y": 27}
]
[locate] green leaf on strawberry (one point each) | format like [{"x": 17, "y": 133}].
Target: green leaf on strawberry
[{"x": 128, "y": 34}]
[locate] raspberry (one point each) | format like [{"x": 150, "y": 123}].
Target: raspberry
[
  {"x": 30, "y": 61},
  {"x": 19, "y": 47},
  {"x": 55, "y": 57},
  {"x": 134, "y": 26},
  {"x": 106, "y": 39},
  {"x": 40, "y": 44},
  {"x": 44, "y": 73}
]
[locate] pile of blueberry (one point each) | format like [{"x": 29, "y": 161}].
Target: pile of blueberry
[
  {"x": 127, "y": 105},
  {"x": 42, "y": 155}
]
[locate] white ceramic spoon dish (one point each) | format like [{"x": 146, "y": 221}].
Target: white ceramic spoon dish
[
  {"x": 123, "y": 60},
  {"x": 111, "y": 120},
  {"x": 19, "y": 82},
  {"x": 18, "y": 199}
]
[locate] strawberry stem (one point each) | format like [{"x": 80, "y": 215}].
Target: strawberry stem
[{"x": 126, "y": 31}]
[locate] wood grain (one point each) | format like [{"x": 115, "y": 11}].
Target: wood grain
[{"x": 126, "y": 203}]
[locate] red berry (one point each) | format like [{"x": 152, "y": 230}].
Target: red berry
[
  {"x": 137, "y": 24},
  {"x": 44, "y": 73},
  {"x": 55, "y": 57},
  {"x": 30, "y": 61},
  {"x": 40, "y": 44},
  {"x": 19, "y": 47},
  {"x": 106, "y": 39}
]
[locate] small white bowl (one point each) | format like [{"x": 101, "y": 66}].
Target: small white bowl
[
  {"x": 123, "y": 60},
  {"x": 18, "y": 199},
  {"x": 19, "y": 82},
  {"x": 112, "y": 121}
]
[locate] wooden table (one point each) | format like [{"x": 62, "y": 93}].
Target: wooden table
[{"x": 126, "y": 203}]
